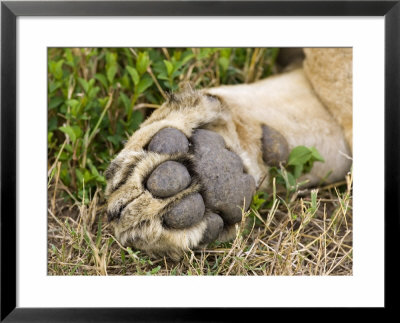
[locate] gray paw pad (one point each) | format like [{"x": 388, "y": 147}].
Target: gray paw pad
[
  {"x": 225, "y": 186},
  {"x": 221, "y": 173},
  {"x": 168, "y": 179},
  {"x": 274, "y": 147},
  {"x": 169, "y": 141},
  {"x": 187, "y": 212},
  {"x": 214, "y": 227}
]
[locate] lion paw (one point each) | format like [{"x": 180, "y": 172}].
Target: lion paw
[{"x": 178, "y": 192}]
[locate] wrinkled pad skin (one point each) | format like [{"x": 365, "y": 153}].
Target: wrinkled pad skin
[
  {"x": 221, "y": 173},
  {"x": 169, "y": 141},
  {"x": 168, "y": 179},
  {"x": 185, "y": 213}
]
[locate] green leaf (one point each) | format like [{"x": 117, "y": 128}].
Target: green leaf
[
  {"x": 79, "y": 175},
  {"x": 298, "y": 170},
  {"x": 72, "y": 103},
  {"x": 162, "y": 76},
  {"x": 69, "y": 131},
  {"x": 103, "y": 101},
  {"x": 55, "y": 102},
  {"x": 155, "y": 270},
  {"x": 123, "y": 256},
  {"x": 84, "y": 84},
  {"x": 55, "y": 68},
  {"x": 186, "y": 59},
  {"x": 142, "y": 62},
  {"x": 169, "y": 66},
  {"x": 317, "y": 156},
  {"x": 125, "y": 100},
  {"x": 111, "y": 58},
  {"x": 134, "y": 74},
  {"x": 93, "y": 169},
  {"x": 291, "y": 182},
  {"x": 102, "y": 79},
  {"x": 258, "y": 200},
  {"x": 314, "y": 194},
  {"x": 101, "y": 179},
  {"x": 58, "y": 70},
  {"x": 87, "y": 176},
  {"x": 223, "y": 63},
  {"x": 111, "y": 71},
  {"x": 125, "y": 81},
  {"x": 144, "y": 84},
  {"x": 54, "y": 86},
  {"x": 68, "y": 148},
  {"x": 225, "y": 52},
  {"x": 93, "y": 92},
  {"x": 137, "y": 118},
  {"x": 204, "y": 53},
  {"x": 177, "y": 55},
  {"x": 299, "y": 155},
  {"x": 77, "y": 131},
  {"x": 52, "y": 124},
  {"x": 70, "y": 57}
]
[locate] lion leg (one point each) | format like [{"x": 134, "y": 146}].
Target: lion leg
[
  {"x": 184, "y": 178},
  {"x": 283, "y": 112}
]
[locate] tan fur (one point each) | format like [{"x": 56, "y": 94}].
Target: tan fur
[
  {"x": 305, "y": 105},
  {"x": 329, "y": 70},
  {"x": 288, "y": 103}
]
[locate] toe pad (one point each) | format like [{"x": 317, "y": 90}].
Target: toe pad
[
  {"x": 221, "y": 172},
  {"x": 274, "y": 146},
  {"x": 186, "y": 212},
  {"x": 214, "y": 227},
  {"x": 168, "y": 179},
  {"x": 169, "y": 141}
]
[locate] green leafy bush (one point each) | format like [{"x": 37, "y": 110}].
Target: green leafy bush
[{"x": 97, "y": 97}]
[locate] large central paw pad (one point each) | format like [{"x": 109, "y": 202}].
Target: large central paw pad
[
  {"x": 226, "y": 188},
  {"x": 194, "y": 193}
]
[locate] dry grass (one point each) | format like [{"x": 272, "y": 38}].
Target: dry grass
[{"x": 311, "y": 234}]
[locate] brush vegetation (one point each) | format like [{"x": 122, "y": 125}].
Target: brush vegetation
[{"x": 97, "y": 97}]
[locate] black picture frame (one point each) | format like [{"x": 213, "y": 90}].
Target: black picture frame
[{"x": 11, "y": 10}]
